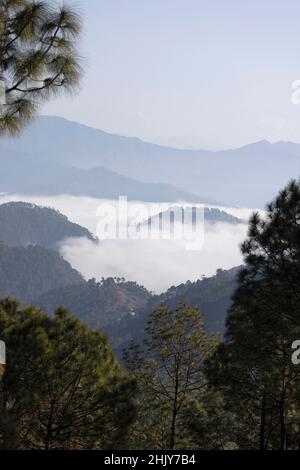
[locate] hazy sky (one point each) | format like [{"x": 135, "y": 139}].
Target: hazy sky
[{"x": 189, "y": 73}]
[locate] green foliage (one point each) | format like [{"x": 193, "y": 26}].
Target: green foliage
[
  {"x": 208, "y": 424},
  {"x": 253, "y": 369},
  {"x": 111, "y": 305},
  {"x": 38, "y": 56},
  {"x": 62, "y": 387},
  {"x": 169, "y": 373},
  {"x": 211, "y": 295}
]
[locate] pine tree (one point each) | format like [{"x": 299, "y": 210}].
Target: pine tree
[
  {"x": 253, "y": 368},
  {"x": 169, "y": 373},
  {"x": 62, "y": 387},
  {"x": 38, "y": 57}
]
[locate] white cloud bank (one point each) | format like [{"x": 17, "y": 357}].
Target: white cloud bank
[{"x": 157, "y": 264}]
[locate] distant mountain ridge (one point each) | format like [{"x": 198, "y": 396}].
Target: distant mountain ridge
[
  {"x": 27, "y": 173},
  {"x": 248, "y": 176},
  {"x": 182, "y": 215}
]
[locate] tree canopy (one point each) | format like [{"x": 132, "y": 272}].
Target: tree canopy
[
  {"x": 169, "y": 373},
  {"x": 38, "y": 57},
  {"x": 62, "y": 387},
  {"x": 253, "y": 368}
]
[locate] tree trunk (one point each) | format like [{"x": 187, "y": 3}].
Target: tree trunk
[
  {"x": 174, "y": 413},
  {"x": 9, "y": 431},
  {"x": 282, "y": 422},
  {"x": 48, "y": 437},
  {"x": 173, "y": 427},
  {"x": 262, "y": 432}
]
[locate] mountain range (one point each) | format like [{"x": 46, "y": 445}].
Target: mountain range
[
  {"x": 25, "y": 171},
  {"x": 248, "y": 176}
]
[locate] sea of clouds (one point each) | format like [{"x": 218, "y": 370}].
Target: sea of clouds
[{"x": 157, "y": 264}]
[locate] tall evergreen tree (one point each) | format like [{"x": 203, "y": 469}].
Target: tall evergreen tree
[
  {"x": 38, "y": 57},
  {"x": 169, "y": 374},
  {"x": 254, "y": 368},
  {"x": 62, "y": 387}
]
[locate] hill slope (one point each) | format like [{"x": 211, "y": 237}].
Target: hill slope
[
  {"x": 122, "y": 308},
  {"x": 27, "y": 272},
  {"x": 98, "y": 182},
  {"x": 23, "y": 224},
  {"x": 212, "y": 295},
  {"x": 99, "y": 304}
]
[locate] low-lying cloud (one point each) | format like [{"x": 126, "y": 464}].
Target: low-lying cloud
[{"x": 157, "y": 264}]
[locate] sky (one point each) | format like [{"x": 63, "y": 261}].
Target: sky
[{"x": 209, "y": 74}]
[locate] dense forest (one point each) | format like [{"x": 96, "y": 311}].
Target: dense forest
[
  {"x": 180, "y": 385},
  {"x": 122, "y": 308},
  {"x": 26, "y": 272},
  {"x": 113, "y": 305}
]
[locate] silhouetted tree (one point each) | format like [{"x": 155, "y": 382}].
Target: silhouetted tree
[
  {"x": 253, "y": 368},
  {"x": 38, "y": 57}
]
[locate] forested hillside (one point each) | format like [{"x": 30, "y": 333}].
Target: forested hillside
[
  {"x": 28, "y": 271},
  {"x": 212, "y": 295},
  {"x": 98, "y": 304},
  {"x": 122, "y": 308},
  {"x": 23, "y": 224}
]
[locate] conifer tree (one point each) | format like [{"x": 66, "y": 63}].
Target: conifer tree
[
  {"x": 169, "y": 373},
  {"x": 254, "y": 368},
  {"x": 62, "y": 387},
  {"x": 38, "y": 57}
]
